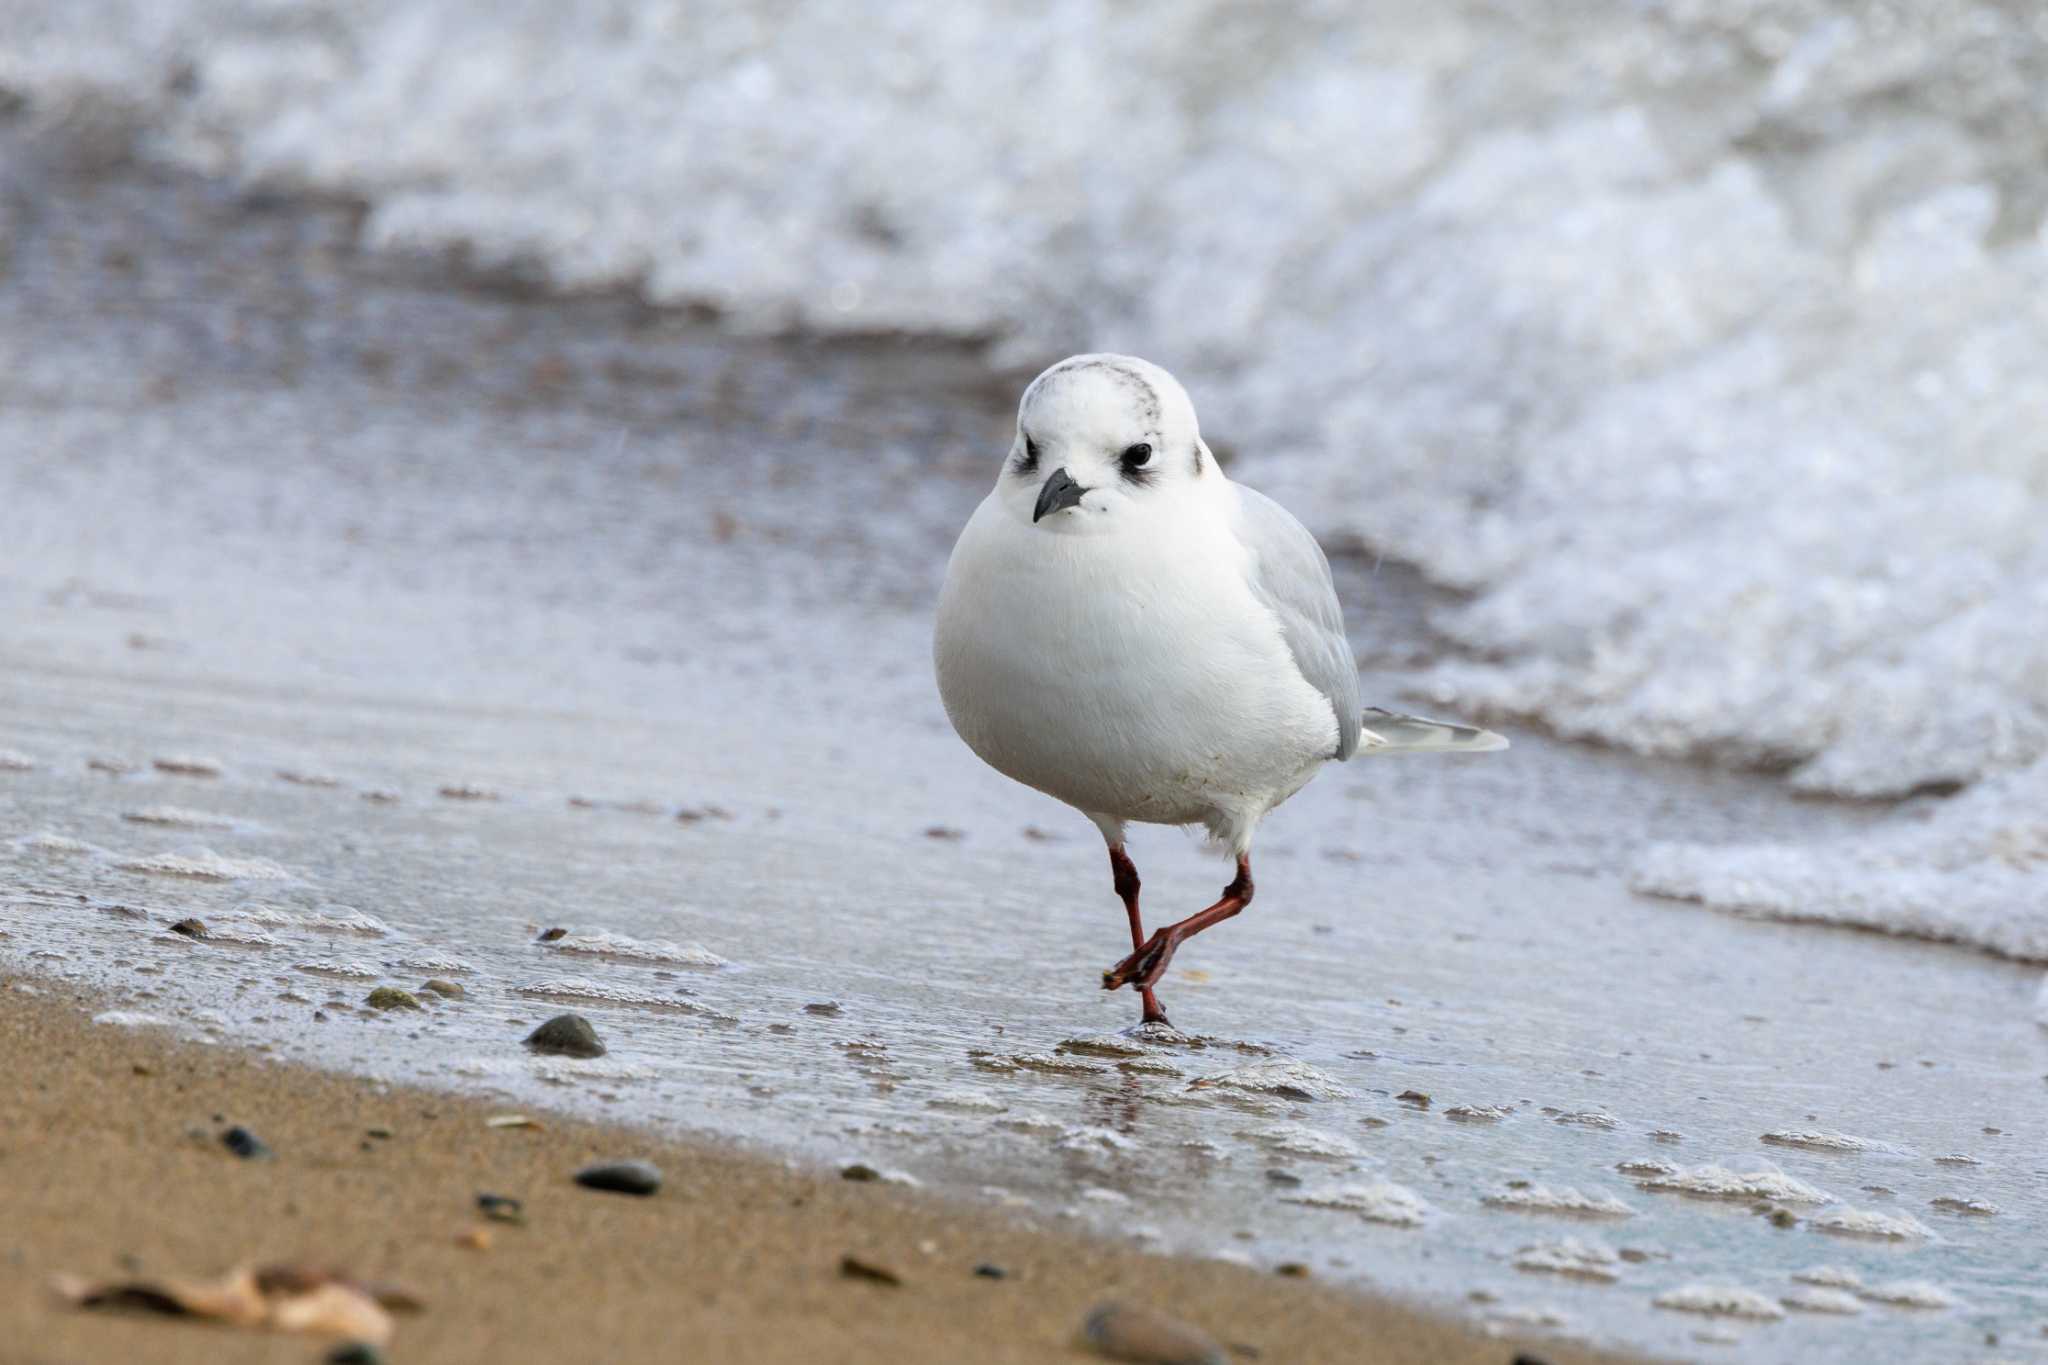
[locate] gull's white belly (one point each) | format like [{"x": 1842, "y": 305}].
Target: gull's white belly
[{"x": 1130, "y": 676}]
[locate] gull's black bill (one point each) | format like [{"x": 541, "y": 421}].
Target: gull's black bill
[{"x": 1060, "y": 491}]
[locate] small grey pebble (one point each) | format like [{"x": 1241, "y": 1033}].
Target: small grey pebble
[
  {"x": 621, "y": 1177},
  {"x": 570, "y": 1035},
  {"x": 245, "y": 1144},
  {"x": 988, "y": 1271},
  {"x": 501, "y": 1208}
]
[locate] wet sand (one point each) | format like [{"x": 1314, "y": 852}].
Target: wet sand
[{"x": 112, "y": 1167}]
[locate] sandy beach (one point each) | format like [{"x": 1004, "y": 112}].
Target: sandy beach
[{"x": 113, "y": 1167}]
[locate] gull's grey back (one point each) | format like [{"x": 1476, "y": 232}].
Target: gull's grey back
[{"x": 1291, "y": 577}]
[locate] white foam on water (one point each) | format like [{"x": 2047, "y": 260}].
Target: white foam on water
[
  {"x": 1718, "y": 1182},
  {"x": 1728, "y": 423},
  {"x": 327, "y": 966},
  {"x": 604, "y": 943},
  {"x": 1087, "y": 1138},
  {"x": 579, "y": 988},
  {"x": 1478, "y": 1113},
  {"x": 1909, "y": 1294},
  {"x": 132, "y": 1019},
  {"x": 1719, "y": 1300},
  {"x": 435, "y": 964},
  {"x": 1586, "y": 1260},
  {"x": 15, "y": 761},
  {"x": 1299, "y": 1139},
  {"x": 1819, "y": 1300},
  {"x": 1817, "y": 1141},
  {"x": 1890, "y": 1227},
  {"x": 57, "y": 845},
  {"x": 1287, "y": 1079},
  {"x": 1830, "y": 1277},
  {"x": 177, "y": 817},
  {"x": 1560, "y": 1200},
  {"x": 206, "y": 865},
  {"x": 335, "y": 919},
  {"x": 967, "y": 1100},
  {"x": 1378, "y": 1202},
  {"x": 1967, "y": 870}
]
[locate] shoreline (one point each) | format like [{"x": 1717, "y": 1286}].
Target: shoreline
[{"x": 113, "y": 1168}]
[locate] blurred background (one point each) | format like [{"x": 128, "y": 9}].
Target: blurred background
[
  {"x": 1702, "y": 342},
  {"x": 469, "y": 405}
]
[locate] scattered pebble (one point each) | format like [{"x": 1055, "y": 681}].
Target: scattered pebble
[
  {"x": 245, "y": 1144},
  {"x": 392, "y": 998},
  {"x": 185, "y": 765},
  {"x": 1414, "y": 1097},
  {"x": 1949, "y": 1203},
  {"x": 190, "y": 928},
  {"x": 1129, "y": 1333},
  {"x": 446, "y": 989},
  {"x": 989, "y": 1271},
  {"x": 1293, "y": 1270},
  {"x": 854, "y": 1268},
  {"x": 501, "y": 1208},
  {"x": 695, "y": 815},
  {"x": 824, "y": 1007},
  {"x": 551, "y": 935},
  {"x": 945, "y": 833},
  {"x": 382, "y": 796},
  {"x": 354, "y": 1353},
  {"x": 474, "y": 1239},
  {"x": 511, "y": 1121},
  {"x": 859, "y": 1171},
  {"x": 567, "y": 1035},
  {"x": 467, "y": 791},
  {"x": 621, "y": 1177}
]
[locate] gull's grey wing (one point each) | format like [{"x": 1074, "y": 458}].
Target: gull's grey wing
[{"x": 1290, "y": 575}]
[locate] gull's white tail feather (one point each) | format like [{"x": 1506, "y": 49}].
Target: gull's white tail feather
[{"x": 1388, "y": 733}]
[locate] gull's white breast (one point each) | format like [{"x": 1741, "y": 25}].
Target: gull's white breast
[{"x": 1130, "y": 674}]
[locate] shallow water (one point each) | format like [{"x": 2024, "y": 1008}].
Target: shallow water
[{"x": 623, "y": 626}]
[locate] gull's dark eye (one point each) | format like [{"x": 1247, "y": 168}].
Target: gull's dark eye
[
  {"x": 1030, "y": 460},
  {"x": 1137, "y": 456}
]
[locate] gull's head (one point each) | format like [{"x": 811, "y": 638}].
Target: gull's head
[{"x": 1102, "y": 440}]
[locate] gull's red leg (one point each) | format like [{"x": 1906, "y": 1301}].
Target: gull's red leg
[
  {"x": 1144, "y": 967},
  {"x": 1126, "y": 873}
]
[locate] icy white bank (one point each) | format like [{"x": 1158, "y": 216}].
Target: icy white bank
[{"x": 1705, "y": 343}]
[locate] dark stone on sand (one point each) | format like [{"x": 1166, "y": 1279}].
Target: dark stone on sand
[
  {"x": 1293, "y": 1270},
  {"x": 382, "y": 1134},
  {"x": 568, "y": 1035},
  {"x": 354, "y": 1353},
  {"x": 860, "y": 1171},
  {"x": 501, "y": 1208},
  {"x": 1414, "y": 1097},
  {"x": 1126, "y": 1332},
  {"x": 392, "y": 998},
  {"x": 190, "y": 928},
  {"x": 245, "y": 1144},
  {"x": 621, "y": 1177},
  {"x": 989, "y": 1271},
  {"x": 854, "y": 1268},
  {"x": 550, "y": 935}
]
